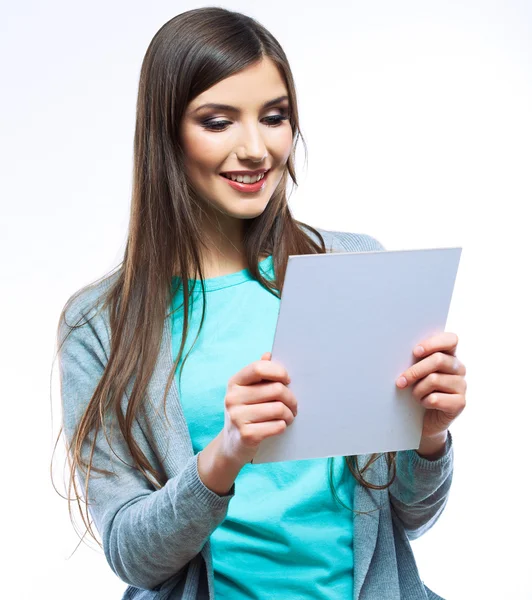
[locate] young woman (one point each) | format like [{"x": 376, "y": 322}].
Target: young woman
[{"x": 166, "y": 384}]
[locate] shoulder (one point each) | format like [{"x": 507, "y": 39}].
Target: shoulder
[
  {"x": 344, "y": 241},
  {"x": 85, "y": 307}
]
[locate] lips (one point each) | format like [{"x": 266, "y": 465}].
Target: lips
[{"x": 257, "y": 186}]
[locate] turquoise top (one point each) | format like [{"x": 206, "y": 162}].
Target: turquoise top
[
  {"x": 157, "y": 541},
  {"x": 284, "y": 534}
]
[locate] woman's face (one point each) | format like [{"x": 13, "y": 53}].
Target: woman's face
[{"x": 246, "y": 135}]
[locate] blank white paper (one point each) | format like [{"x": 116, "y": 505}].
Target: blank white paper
[{"x": 348, "y": 323}]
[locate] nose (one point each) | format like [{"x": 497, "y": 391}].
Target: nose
[{"x": 251, "y": 144}]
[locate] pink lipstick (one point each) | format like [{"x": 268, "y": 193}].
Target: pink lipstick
[{"x": 247, "y": 187}]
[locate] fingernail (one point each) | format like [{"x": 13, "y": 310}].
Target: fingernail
[
  {"x": 419, "y": 350},
  {"x": 401, "y": 382}
]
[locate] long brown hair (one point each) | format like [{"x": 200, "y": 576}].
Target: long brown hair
[{"x": 189, "y": 54}]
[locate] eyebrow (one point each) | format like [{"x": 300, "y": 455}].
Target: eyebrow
[{"x": 235, "y": 109}]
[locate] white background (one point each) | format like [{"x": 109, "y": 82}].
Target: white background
[{"x": 418, "y": 117}]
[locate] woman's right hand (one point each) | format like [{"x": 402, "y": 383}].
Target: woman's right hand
[{"x": 258, "y": 405}]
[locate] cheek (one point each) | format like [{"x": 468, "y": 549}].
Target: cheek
[
  {"x": 284, "y": 145},
  {"x": 203, "y": 152}
]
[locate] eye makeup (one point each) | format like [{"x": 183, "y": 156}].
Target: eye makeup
[{"x": 271, "y": 121}]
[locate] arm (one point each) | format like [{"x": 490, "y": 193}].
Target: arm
[
  {"x": 421, "y": 488},
  {"x": 148, "y": 535}
]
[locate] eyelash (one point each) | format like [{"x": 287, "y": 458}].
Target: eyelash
[{"x": 215, "y": 125}]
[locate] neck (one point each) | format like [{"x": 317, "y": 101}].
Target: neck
[{"x": 224, "y": 240}]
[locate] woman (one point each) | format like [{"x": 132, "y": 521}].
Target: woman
[{"x": 165, "y": 399}]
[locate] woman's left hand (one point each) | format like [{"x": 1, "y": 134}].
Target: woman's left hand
[{"x": 439, "y": 383}]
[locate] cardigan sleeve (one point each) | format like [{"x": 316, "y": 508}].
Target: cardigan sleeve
[
  {"x": 149, "y": 535},
  {"x": 421, "y": 488}
]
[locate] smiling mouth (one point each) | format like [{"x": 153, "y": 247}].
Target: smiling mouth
[
  {"x": 242, "y": 186},
  {"x": 240, "y": 178}
]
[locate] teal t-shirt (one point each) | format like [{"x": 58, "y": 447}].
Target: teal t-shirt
[{"x": 284, "y": 534}]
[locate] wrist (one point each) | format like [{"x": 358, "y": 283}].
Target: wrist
[
  {"x": 433, "y": 447},
  {"x": 217, "y": 471}
]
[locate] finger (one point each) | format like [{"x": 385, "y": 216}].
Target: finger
[
  {"x": 254, "y": 433},
  {"x": 266, "y": 356},
  {"x": 259, "y": 370},
  {"x": 439, "y": 382},
  {"x": 261, "y": 393},
  {"x": 266, "y": 411},
  {"x": 444, "y": 342},
  {"x": 450, "y": 404},
  {"x": 438, "y": 362}
]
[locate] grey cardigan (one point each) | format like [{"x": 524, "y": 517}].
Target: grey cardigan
[{"x": 157, "y": 540}]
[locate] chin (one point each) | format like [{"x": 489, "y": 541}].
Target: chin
[{"x": 251, "y": 211}]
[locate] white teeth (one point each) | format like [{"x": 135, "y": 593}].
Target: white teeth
[{"x": 244, "y": 178}]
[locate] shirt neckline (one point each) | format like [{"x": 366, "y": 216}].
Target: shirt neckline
[{"x": 225, "y": 281}]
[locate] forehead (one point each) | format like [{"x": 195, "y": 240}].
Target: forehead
[{"x": 247, "y": 89}]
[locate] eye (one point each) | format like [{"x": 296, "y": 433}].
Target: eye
[
  {"x": 276, "y": 120},
  {"x": 215, "y": 125},
  {"x": 271, "y": 121}
]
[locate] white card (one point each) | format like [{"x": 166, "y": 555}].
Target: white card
[{"x": 348, "y": 323}]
